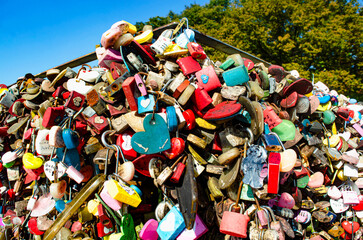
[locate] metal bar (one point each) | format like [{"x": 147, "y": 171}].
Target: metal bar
[
  {"x": 73, "y": 63},
  {"x": 200, "y": 37}
]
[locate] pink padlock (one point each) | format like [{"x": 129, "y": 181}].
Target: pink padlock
[
  {"x": 234, "y": 224},
  {"x": 198, "y": 230},
  {"x": 140, "y": 84},
  {"x": 148, "y": 232},
  {"x": 73, "y": 173},
  {"x": 112, "y": 203},
  {"x": 110, "y": 37}
]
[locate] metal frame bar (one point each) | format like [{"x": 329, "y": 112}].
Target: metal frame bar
[{"x": 200, "y": 38}]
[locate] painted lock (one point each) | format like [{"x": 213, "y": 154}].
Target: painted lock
[
  {"x": 188, "y": 65},
  {"x": 32, "y": 162},
  {"x": 124, "y": 141},
  {"x": 75, "y": 101},
  {"x": 171, "y": 225},
  {"x": 53, "y": 116},
  {"x": 234, "y": 224},
  {"x": 236, "y": 76},
  {"x": 42, "y": 145},
  {"x": 55, "y": 137},
  {"x": 208, "y": 79},
  {"x": 123, "y": 193},
  {"x": 70, "y": 138}
]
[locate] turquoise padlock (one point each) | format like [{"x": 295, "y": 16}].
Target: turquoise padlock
[
  {"x": 145, "y": 104},
  {"x": 236, "y": 76},
  {"x": 70, "y": 138},
  {"x": 71, "y": 157},
  {"x": 171, "y": 225}
]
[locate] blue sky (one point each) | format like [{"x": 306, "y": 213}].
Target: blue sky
[{"x": 38, "y": 35}]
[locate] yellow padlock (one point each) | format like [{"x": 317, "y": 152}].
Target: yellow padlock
[
  {"x": 324, "y": 107},
  {"x": 333, "y": 140},
  {"x": 123, "y": 193},
  {"x": 205, "y": 124},
  {"x": 92, "y": 206}
]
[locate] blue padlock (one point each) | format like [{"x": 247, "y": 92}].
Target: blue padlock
[
  {"x": 171, "y": 225},
  {"x": 145, "y": 104},
  {"x": 236, "y": 76},
  {"x": 70, "y": 138},
  {"x": 71, "y": 157},
  {"x": 324, "y": 99},
  {"x": 172, "y": 118}
]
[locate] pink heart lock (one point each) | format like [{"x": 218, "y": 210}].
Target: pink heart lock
[
  {"x": 286, "y": 201},
  {"x": 9, "y": 157},
  {"x": 334, "y": 193},
  {"x": 148, "y": 232},
  {"x": 316, "y": 180}
]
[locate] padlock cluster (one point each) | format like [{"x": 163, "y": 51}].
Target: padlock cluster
[{"x": 160, "y": 142}]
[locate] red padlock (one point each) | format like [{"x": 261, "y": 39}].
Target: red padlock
[
  {"x": 117, "y": 69},
  {"x": 188, "y": 65},
  {"x": 124, "y": 141},
  {"x": 53, "y": 116},
  {"x": 104, "y": 226},
  {"x": 201, "y": 98},
  {"x": 234, "y": 224},
  {"x": 178, "y": 171},
  {"x": 75, "y": 101},
  {"x": 196, "y": 51},
  {"x": 189, "y": 119},
  {"x": 274, "y": 160},
  {"x": 131, "y": 92},
  {"x": 177, "y": 148},
  {"x": 271, "y": 117}
]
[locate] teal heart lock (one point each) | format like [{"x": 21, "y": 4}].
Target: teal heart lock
[{"x": 156, "y": 137}]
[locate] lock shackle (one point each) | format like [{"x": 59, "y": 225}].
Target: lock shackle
[
  {"x": 269, "y": 211},
  {"x": 278, "y": 139},
  {"x": 251, "y": 137},
  {"x": 241, "y": 207},
  {"x": 103, "y": 139}
]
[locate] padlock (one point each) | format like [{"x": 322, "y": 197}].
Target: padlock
[
  {"x": 95, "y": 102},
  {"x": 171, "y": 225},
  {"x": 201, "y": 98},
  {"x": 75, "y": 101},
  {"x": 187, "y": 94},
  {"x": 196, "y": 51},
  {"x": 188, "y": 65},
  {"x": 123, "y": 193},
  {"x": 273, "y": 172},
  {"x": 53, "y": 116},
  {"x": 236, "y": 76},
  {"x": 131, "y": 92},
  {"x": 146, "y": 104},
  {"x": 208, "y": 79},
  {"x": 234, "y": 224},
  {"x": 98, "y": 123},
  {"x": 178, "y": 171},
  {"x": 117, "y": 70},
  {"x": 104, "y": 226}
]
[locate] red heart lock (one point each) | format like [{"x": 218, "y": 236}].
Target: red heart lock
[
  {"x": 348, "y": 226},
  {"x": 346, "y": 236},
  {"x": 189, "y": 119},
  {"x": 33, "y": 227},
  {"x": 359, "y": 207},
  {"x": 177, "y": 147},
  {"x": 11, "y": 194}
]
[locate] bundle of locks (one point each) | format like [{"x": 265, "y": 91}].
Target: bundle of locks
[{"x": 160, "y": 142}]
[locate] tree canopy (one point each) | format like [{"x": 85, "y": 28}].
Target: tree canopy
[{"x": 324, "y": 38}]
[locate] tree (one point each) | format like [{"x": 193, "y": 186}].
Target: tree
[{"x": 323, "y": 38}]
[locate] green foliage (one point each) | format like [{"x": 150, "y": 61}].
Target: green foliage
[{"x": 324, "y": 38}]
